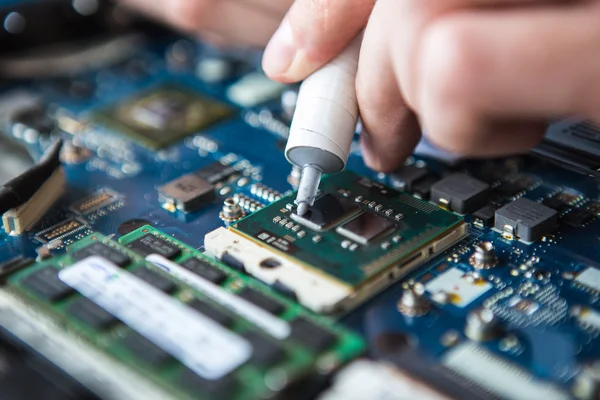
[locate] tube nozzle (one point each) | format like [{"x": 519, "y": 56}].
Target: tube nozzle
[{"x": 308, "y": 187}]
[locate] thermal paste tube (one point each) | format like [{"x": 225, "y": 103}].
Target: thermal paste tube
[{"x": 326, "y": 114}]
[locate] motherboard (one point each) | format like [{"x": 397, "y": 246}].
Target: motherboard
[{"x": 150, "y": 247}]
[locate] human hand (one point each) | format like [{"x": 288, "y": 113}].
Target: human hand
[
  {"x": 481, "y": 77},
  {"x": 222, "y": 22}
]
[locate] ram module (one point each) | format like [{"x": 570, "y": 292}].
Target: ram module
[{"x": 179, "y": 321}]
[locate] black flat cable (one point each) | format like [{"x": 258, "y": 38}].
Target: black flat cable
[{"x": 22, "y": 188}]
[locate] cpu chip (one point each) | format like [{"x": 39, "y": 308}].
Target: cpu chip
[
  {"x": 358, "y": 238},
  {"x": 163, "y": 116}
]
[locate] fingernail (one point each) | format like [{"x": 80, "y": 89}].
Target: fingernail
[{"x": 281, "y": 50}]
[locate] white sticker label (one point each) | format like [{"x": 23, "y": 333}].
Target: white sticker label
[
  {"x": 274, "y": 326},
  {"x": 195, "y": 340}
]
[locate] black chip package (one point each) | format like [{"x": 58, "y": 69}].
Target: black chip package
[
  {"x": 262, "y": 301},
  {"x": 104, "y": 251},
  {"x": 146, "y": 350},
  {"x": 92, "y": 314},
  {"x": 205, "y": 270},
  {"x": 47, "y": 284},
  {"x": 555, "y": 203},
  {"x": 264, "y": 351},
  {"x": 151, "y": 244},
  {"x": 212, "y": 312},
  {"x": 577, "y": 218},
  {"x": 311, "y": 335},
  {"x": 155, "y": 279}
]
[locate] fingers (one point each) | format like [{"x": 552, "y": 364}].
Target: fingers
[
  {"x": 243, "y": 22},
  {"x": 312, "y": 33},
  {"x": 413, "y": 16},
  {"x": 392, "y": 130},
  {"x": 456, "y": 114},
  {"x": 184, "y": 14},
  {"x": 482, "y": 66}
]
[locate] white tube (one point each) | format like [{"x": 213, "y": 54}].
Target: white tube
[{"x": 326, "y": 114}]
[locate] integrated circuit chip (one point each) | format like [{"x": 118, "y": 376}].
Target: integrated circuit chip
[
  {"x": 188, "y": 193},
  {"x": 460, "y": 192},
  {"x": 205, "y": 270},
  {"x": 312, "y": 335},
  {"x": 366, "y": 227},
  {"x": 358, "y": 238},
  {"x": 262, "y": 301},
  {"x": 327, "y": 211},
  {"x": 217, "y": 172},
  {"x": 212, "y": 312},
  {"x": 102, "y": 250},
  {"x": 163, "y": 116},
  {"x": 155, "y": 279},
  {"x": 151, "y": 244},
  {"x": 47, "y": 284},
  {"x": 526, "y": 219},
  {"x": 555, "y": 202},
  {"x": 91, "y": 314},
  {"x": 265, "y": 352},
  {"x": 145, "y": 350},
  {"x": 578, "y": 218}
]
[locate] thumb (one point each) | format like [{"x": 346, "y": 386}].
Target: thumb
[{"x": 311, "y": 34}]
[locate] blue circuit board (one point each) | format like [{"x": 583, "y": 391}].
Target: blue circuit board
[{"x": 545, "y": 337}]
